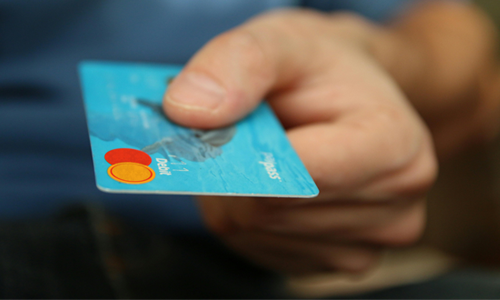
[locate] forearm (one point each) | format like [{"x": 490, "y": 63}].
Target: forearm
[{"x": 443, "y": 55}]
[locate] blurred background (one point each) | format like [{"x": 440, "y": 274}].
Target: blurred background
[{"x": 468, "y": 192}]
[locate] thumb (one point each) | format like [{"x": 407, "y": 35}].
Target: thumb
[{"x": 228, "y": 77}]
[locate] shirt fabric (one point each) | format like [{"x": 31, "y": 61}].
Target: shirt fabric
[{"x": 45, "y": 159}]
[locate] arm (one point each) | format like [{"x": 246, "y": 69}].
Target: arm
[
  {"x": 348, "y": 93},
  {"x": 443, "y": 55}
]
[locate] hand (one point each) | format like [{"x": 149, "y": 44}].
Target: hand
[{"x": 366, "y": 148}]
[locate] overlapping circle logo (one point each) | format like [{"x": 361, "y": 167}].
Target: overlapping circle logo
[{"x": 129, "y": 166}]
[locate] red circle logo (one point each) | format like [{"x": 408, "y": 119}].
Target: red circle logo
[{"x": 127, "y": 155}]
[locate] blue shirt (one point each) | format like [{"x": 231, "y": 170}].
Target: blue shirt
[{"x": 45, "y": 160}]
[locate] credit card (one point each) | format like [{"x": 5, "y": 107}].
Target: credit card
[{"x": 136, "y": 149}]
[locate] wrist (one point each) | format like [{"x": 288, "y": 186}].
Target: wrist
[
  {"x": 402, "y": 57},
  {"x": 436, "y": 54},
  {"x": 443, "y": 56}
]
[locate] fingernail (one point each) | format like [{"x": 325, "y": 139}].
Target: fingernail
[{"x": 196, "y": 91}]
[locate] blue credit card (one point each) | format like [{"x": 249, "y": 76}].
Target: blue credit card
[{"x": 136, "y": 149}]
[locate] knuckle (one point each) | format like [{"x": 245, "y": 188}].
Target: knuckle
[
  {"x": 423, "y": 172},
  {"x": 407, "y": 155},
  {"x": 402, "y": 146},
  {"x": 404, "y": 233},
  {"x": 394, "y": 146},
  {"x": 425, "y": 177},
  {"x": 407, "y": 138},
  {"x": 344, "y": 181},
  {"x": 247, "y": 49}
]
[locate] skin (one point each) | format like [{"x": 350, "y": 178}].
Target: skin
[{"x": 369, "y": 109}]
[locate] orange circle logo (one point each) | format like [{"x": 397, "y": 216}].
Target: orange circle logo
[
  {"x": 129, "y": 166},
  {"x": 131, "y": 173}
]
